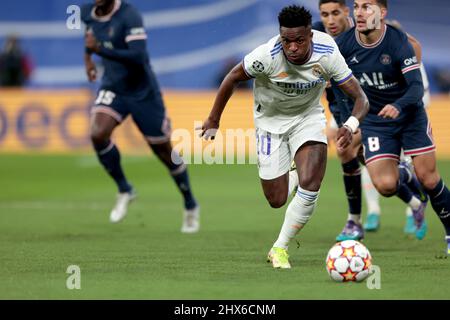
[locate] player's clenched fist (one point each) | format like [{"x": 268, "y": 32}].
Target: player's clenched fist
[{"x": 344, "y": 137}]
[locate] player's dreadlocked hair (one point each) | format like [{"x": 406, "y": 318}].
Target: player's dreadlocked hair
[
  {"x": 341, "y": 2},
  {"x": 294, "y": 16}
]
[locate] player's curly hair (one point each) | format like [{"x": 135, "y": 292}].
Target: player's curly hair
[{"x": 294, "y": 16}]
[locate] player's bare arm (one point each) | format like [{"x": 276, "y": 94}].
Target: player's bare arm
[
  {"x": 353, "y": 90},
  {"x": 229, "y": 83}
]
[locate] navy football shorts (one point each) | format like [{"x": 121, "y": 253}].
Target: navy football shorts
[
  {"x": 147, "y": 111},
  {"x": 413, "y": 135}
]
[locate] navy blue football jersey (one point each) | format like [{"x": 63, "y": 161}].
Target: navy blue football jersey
[
  {"x": 319, "y": 26},
  {"x": 330, "y": 93},
  {"x": 388, "y": 71},
  {"x": 123, "y": 49}
]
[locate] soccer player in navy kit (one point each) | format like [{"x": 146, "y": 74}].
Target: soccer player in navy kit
[
  {"x": 387, "y": 68},
  {"x": 335, "y": 20},
  {"x": 115, "y": 32}
]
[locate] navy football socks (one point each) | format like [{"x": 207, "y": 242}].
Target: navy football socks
[
  {"x": 440, "y": 201},
  {"x": 181, "y": 178},
  {"x": 109, "y": 157},
  {"x": 352, "y": 182}
]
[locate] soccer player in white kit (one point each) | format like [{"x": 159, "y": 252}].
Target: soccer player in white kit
[{"x": 290, "y": 73}]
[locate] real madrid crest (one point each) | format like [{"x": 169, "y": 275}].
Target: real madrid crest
[{"x": 317, "y": 71}]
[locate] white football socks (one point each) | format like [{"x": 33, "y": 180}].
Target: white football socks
[
  {"x": 409, "y": 212},
  {"x": 356, "y": 218},
  {"x": 297, "y": 215},
  {"x": 414, "y": 203},
  {"x": 370, "y": 192}
]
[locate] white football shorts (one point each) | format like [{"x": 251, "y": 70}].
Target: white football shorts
[{"x": 276, "y": 151}]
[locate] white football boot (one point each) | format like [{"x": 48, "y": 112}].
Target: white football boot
[
  {"x": 120, "y": 210},
  {"x": 191, "y": 220}
]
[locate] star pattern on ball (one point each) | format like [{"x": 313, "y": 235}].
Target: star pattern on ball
[
  {"x": 330, "y": 264},
  {"x": 349, "y": 275},
  {"x": 349, "y": 252},
  {"x": 348, "y": 261},
  {"x": 367, "y": 263}
]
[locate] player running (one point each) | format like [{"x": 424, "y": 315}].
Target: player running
[
  {"x": 291, "y": 71},
  {"x": 384, "y": 62},
  {"x": 335, "y": 20},
  {"x": 373, "y": 220},
  {"x": 116, "y": 33}
]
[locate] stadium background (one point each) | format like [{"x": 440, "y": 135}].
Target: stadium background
[
  {"x": 55, "y": 197},
  {"x": 191, "y": 45}
]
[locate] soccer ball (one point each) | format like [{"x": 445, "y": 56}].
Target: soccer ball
[{"x": 348, "y": 261}]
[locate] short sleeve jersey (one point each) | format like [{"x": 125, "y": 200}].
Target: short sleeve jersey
[{"x": 285, "y": 92}]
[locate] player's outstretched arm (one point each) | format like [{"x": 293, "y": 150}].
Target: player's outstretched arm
[
  {"x": 361, "y": 107},
  {"x": 229, "y": 83}
]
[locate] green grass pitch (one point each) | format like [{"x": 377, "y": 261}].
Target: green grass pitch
[{"x": 54, "y": 213}]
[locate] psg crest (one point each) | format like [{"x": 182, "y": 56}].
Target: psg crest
[{"x": 385, "y": 59}]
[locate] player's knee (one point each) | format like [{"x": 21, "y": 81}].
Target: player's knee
[
  {"x": 309, "y": 181},
  {"x": 429, "y": 180},
  {"x": 386, "y": 186},
  {"x": 163, "y": 150},
  {"x": 99, "y": 136},
  {"x": 277, "y": 200}
]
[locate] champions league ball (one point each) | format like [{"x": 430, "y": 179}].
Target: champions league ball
[{"x": 348, "y": 261}]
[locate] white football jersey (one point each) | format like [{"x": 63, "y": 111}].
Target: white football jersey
[{"x": 284, "y": 92}]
